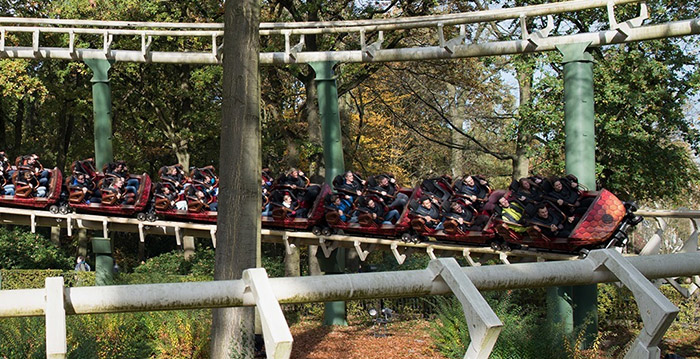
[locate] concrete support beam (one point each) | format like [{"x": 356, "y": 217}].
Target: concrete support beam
[
  {"x": 656, "y": 310},
  {"x": 188, "y": 246},
  {"x": 278, "y": 338},
  {"x": 484, "y": 325}
]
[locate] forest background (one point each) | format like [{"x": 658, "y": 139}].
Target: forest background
[{"x": 501, "y": 117}]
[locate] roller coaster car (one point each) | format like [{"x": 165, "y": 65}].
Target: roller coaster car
[
  {"x": 197, "y": 211},
  {"x": 603, "y": 224},
  {"x": 452, "y": 231},
  {"x": 25, "y": 196},
  {"x": 281, "y": 220},
  {"x": 110, "y": 202},
  {"x": 366, "y": 225}
]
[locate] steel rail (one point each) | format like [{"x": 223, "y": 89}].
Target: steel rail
[
  {"x": 232, "y": 293},
  {"x": 596, "y": 39},
  {"x": 75, "y": 221},
  {"x": 665, "y": 213},
  {"x": 124, "y": 32},
  {"x": 319, "y": 27}
]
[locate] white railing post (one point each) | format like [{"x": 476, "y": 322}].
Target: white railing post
[
  {"x": 278, "y": 338},
  {"x": 484, "y": 325},
  {"x": 656, "y": 310},
  {"x": 56, "y": 347}
]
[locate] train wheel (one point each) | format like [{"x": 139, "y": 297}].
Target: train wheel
[
  {"x": 53, "y": 209},
  {"x": 151, "y": 217},
  {"x": 326, "y": 231},
  {"x": 141, "y": 216},
  {"x": 406, "y": 237},
  {"x": 495, "y": 246},
  {"x": 583, "y": 253},
  {"x": 506, "y": 247},
  {"x": 64, "y": 209},
  {"x": 416, "y": 239},
  {"x": 316, "y": 230}
]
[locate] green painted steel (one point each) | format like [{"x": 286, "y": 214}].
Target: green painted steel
[
  {"x": 327, "y": 89},
  {"x": 104, "y": 263},
  {"x": 330, "y": 119},
  {"x": 559, "y": 308},
  {"x": 579, "y": 128},
  {"x": 102, "y": 108}
]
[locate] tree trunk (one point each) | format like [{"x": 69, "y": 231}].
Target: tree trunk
[
  {"x": 456, "y": 112},
  {"x": 313, "y": 118},
  {"x": 314, "y": 266},
  {"x": 19, "y": 120},
  {"x": 3, "y": 136},
  {"x": 66, "y": 121},
  {"x": 239, "y": 200},
  {"x": 291, "y": 263},
  {"x": 521, "y": 162},
  {"x": 183, "y": 154}
]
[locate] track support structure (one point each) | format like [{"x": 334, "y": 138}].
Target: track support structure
[
  {"x": 656, "y": 310},
  {"x": 484, "y": 325},
  {"x": 278, "y": 338}
]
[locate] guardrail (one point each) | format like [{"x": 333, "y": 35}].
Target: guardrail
[{"x": 442, "y": 276}]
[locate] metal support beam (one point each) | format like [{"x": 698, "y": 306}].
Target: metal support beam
[
  {"x": 656, "y": 310},
  {"x": 580, "y": 160},
  {"x": 278, "y": 338},
  {"x": 56, "y": 347},
  {"x": 653, "y": 245},
  {"x": 102, "y": 108},
  {"x": 327, "y": 90},
  {"x": 484, "y": 325},
  {"x": 104, "y": 263}
]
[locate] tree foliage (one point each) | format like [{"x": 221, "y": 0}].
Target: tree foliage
[{"x": 24, "y": 250}]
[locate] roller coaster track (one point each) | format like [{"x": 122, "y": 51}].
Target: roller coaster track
[
  {"x": 363, "y": 245},
  {"x": 453, "y": 37}
]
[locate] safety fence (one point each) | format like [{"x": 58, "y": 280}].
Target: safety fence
[{"x": 442, "y": 276}]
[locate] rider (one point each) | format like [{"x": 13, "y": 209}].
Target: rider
[
  {"x": 427, "y": 211},
  {"x": 387, "y": 188}
]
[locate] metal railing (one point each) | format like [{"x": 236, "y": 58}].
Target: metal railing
[
  {"x": 451, "y": 33},
  {"x": 442, "y": 276}
]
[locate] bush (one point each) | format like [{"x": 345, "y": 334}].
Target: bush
[
  {"x": 525, "y": 332},
  {"x": 22, "y": 338},
  {"x": 108, "y": 336},
  {"x": 179, "y": 334},
  {"x": 201, "y": 264},
  {"x": 35, "y": 278},
  {"x": 24, "y": 250}
]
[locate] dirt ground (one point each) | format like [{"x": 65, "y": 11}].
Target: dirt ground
[{"x": 405, "y": 340}]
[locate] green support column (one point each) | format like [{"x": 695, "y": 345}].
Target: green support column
[
  {"x": 104, "y": 263},
  {"x": 579, "y": 128},
  {"x": 102, "y": 108},
  {"x": 327, "y": 90}
]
